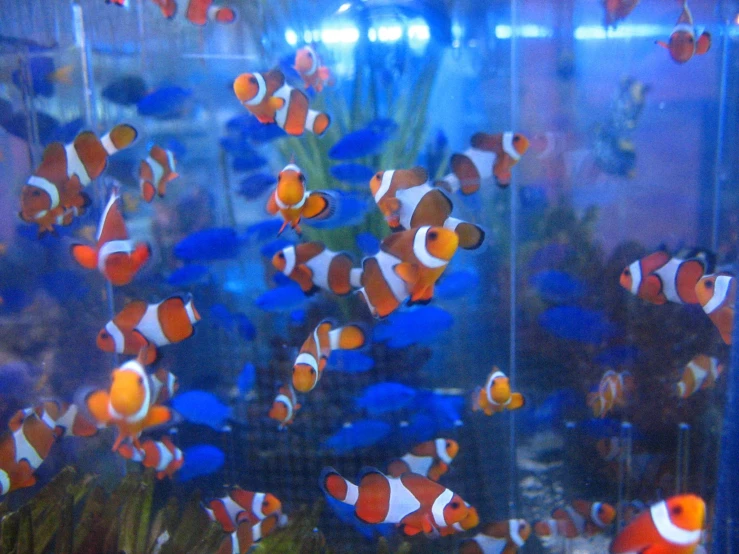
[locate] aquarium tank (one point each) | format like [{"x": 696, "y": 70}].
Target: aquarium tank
[{"x": 358, "y": 276}]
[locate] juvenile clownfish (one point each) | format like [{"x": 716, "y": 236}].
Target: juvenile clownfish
[
  {"x": 673, "y": 525},
  {"x": 700, "y": 373},
  {"x": 246, "y": 535},
  {"x": 293, "y": 202},
  {"x": 163, "y": 386},
  {"x": 314, "y": 267},
  {"x": 682, "y": 45},
  {"x": 127, "y": 404},
  {"x": 53, "y": 195},
  {"x": 489, "y": 156},
  {"x": 717, "y": 294},
  {"x": 407, "y": 200},
  {"x": 115, "y": 255},
  {"x": 616, "y": 10},
  {"x": 155, "y": 172},
  {"x": 635, "y": 276},
  {"x": 317, "y": 348},
  {"x": 496, "y": 395},
  {"x": 470, "y": 521},
  {"x": 582, "y": 518},
  {"x": 613, "y": 391},
  {"x": 308, "y": 65},
  {"x": 168, "y": 7},
  {"x": 200, "y": 11},
  {"x": 242, "y": 505},
  {"x": 411, "y": 501},
  {"x": 162, "y": 455},
  {"x": 502, "y": 537},
  {"x": 270, "y": 100},
  {"x": 430, "y": 459},
  {"x": 285, "y": 407}
]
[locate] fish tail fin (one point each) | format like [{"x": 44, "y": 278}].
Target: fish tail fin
[
  {"x": 349, "y": 337},
  {"x": 120, "y": 137},
  {"x": 475, "y": 399},
  {"x": 317, "y": 122},
  {"x": 470, "y": 236},
  {"x": 333, "y": 484},
  {"x": 84, "y": 255},
  {"x": 141, "y": 254},
  {"x": 192, "y": 313},
  {"x": 703, "y": 44},
  {"x": 320, "y": 205},
  {"x": 662, "y": 43},
  {"x": 219, "y": 14}
]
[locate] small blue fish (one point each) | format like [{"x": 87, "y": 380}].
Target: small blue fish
[
  {"x": 444, "y": 408},
  {"x": 247, "y": 379},
  {"x": 420, "y": 325},
  {"x": 298, "y": 316},
  {"x": 422, "y": 427},
  {"x": 456, "y": 284},
  {"x": 202, "y": 408},
  {"x": 256, "y": 184},
  {"x": 189, "y": 275},
  {"x": 202, "y": 459},
  {"x": 248, "y": 125},
  {"x": 364, "y": 142},
  {"x": 126, "y": 90},
  {"x": 557, "y": 287},
  {"x": 215, "y": 243},
  {"x": 368, "y": 243},
  {"x": 248, "y": 163},
  {"x": 237, "y": 146},
  {"x": 385, "y": 397},
  {"x": 263, "y": 230},
  {"x": 221, "y": 316},
  {"x": 272, "y": 247},
  {"x": 14, "y": 299},
  {"x": 281, "y": 299},
  {"x": 350, "y": 209},
  {"x": 552, "y": 411},
  {"x": 345, "y": 512},
  {"x": 352, "y": 173},
  {"x": 616, "y": 356},
  {"x": 17, "y": 125},
  {"x": 282, "y": 280},
  {"x": 359, "y": 434},
  {"x": 67, "y": 132},
  {"x": 349, "y": 361},
  {"x": 41, "y": 69},
  {"x": 579, "y": 324},
  {"x": 164, "y": 103},
  {"x": 245, "y": 327}
]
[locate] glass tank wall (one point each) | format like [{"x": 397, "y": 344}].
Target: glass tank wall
[{"x": 559, "y": 129}]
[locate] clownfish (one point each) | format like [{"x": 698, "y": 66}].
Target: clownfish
[
  {"x": 115, "y": 255},
  {"x": 313, "y": 356},
  {"x": 163, "y": 385},
  {"x": 168, "y": 7},
  {"x": 496, "y": 395},
  {"x": 314, "y": 267},
  {"x": 53, "y": 195},
  {"x": 241, "y": 505},
  {"x": 700, "y": 373},
  {"x": 582, "y": 518},
  {"x": 155, "y": 172},
  {"x": 430, "y": 459},
  {"x": 270, "y": 100},
  {"x": 411, "y": 501},
  {"x": 70, "y": 422},
  {"x": 489, "y": 156},
  {"x": 284, "y": 407},
  {"x": 501, "y": 537},
  {"x": 683, "y": 45},
  {"x": 471, "y": 520},
  {"x": 408, "y": 264},
  {"x": 294, "y": 202},
  {"x": 140, "y": 324},
  {"x": 246, "y": 535},
  {"x": 407, "y": 201},
  {"x": 609, "y": 448},
  {"x": 674, "y": 525},
  {"x": 616, "y": 10},
  {"x": 717, "y": 294},
  {"x": 612, "y": 391},
  {"x": 200, "y": 11},
  {"x": 308, "y": 65},
  {"x": 162, "y": 455},
  {"x": 127, "y": 404}
]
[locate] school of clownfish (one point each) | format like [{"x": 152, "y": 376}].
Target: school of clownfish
[{"x": 404, "y": 272}]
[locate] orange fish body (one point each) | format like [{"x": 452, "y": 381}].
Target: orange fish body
[
  {"x": 314, "y": 267},
  {"x": 613, "y": 390},
  {"x": 317, "y": 348},
  {"x": 200, "y": 11},
  {"x": 683, "y": 45},
  {"x": 308, "y": 65},
  {"x": 155, "y": 172},
  {"x": 246, "y": 535},
  {"x": 672, "y": 526},
  {"x": 430, "y": 459},
  {"x": 407, "y": 200},
  {"x": 496, "y": 395},
  {"x": 582, "y": 518},
  {"x": 168, "y": 7},
  {"x": 700, "y": 373},
  {"x": 72, "y": 423},
  {"x": 115, "y": 255},
  {"x": 162, "y": 455},
  {"x": 502, "y": 537},
  {"x": 293, "y": 202},
  {"x": 285, "y": 407},
  {"x": 638, "y": 279},
  {"x": 411, "y": 501},
  {"x": 242, "y": 505},
  {"x": 717, "y": 294},
  {"x": 617, "y": 10}
]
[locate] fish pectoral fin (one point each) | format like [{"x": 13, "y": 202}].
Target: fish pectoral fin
[
  {"x": 97, "y": 404},
  {"x": 84, "y": 255},
  {"x": 423, "y": 296},
  {"x": 276, "y": 103},
  {"x": 411, "y": 531},
  {"x": 703, "y": 43},
  {"x": 517, "y": 401},
  {"x": 324, "y": 73},
  {"x": 272, "y": 207},
  {"x": 662, "y": 43},
  {"x": 426, "y": 523},
  {"x": 408, "y": 272},
  {"x": 157, "y": 415}
]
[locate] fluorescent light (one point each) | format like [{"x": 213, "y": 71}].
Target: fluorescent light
[
  {"x": 419, "y": 32},
  {"x": 345, "y": 35},
  {"x": 391, "y": 33},
  {"x": 524, "y": 31},
  {"x": 344, "y": 7},
  {"x": 291, "y": 37},
  {"x": 308, "y": 37},
  {"x": 503, "y": 31},
  {"x": 372, "y": 34},
  {"x": 624, "y": 30}
]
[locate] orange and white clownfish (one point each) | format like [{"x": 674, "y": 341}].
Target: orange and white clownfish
[
  {"x": 471, "y": 520},
  {"x": 140, "y": 324},
  {"x": 496, "y": 395},
  {"x": 314, "y": 267},
  {"x": 246, "y": 535},
  {"x": 430, "y": 459},
  {"x": 115, "y": 255},
  {"x": 501, "y": 537},
  {"x": 407, "y": 201},
  {"x": 163, "y": 385},
  {"x": 200, "y": 11},
  {"x": 700, "y": 373},
  {"x": 616, "y": 10},
  {"x": 168, "y": 7},
  {"x": 308, "y": 65},
  {"x": 72, "y": 423},
  {"x": 411, "y": 501},
  {"x": 582, "y": 518},
  {"x": 53, "y": 195},
  {"x": 609, "y": 448},
  {"x": 155, "y": 172},
  {"x": 313, "y": 356},
  {"x": 674, "y": 525},
  {"x": 636, "y": 276},
  {"x": 717, "y": 294},
  {"x": 408, "y": 264},
  {"x": 270, "y": 100},
  {"x": 242, "y": 505},
  {"x": 683, "y": 45},
  {"x": 613, "y": 391},
  {"x": 490, "y": 156},
  {"x": 284, "y": 407},
  {"x": 127, "y": 404},
  {"x": 162, "y": 455},
  {"x": 294, "y": 202}
]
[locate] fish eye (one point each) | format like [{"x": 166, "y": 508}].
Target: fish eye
[
  {"x": 312, "y": 371},
  {"x": 265, "y": 504},
  {"x": 104, "y": 335},
  {"x": 433, "y": 235},
  {"x": 141, "y": 381},
  {"x": 708, "y": 284},
  {"x": 516, "y": 138},
  {"x": 301, "y": 177},
  {"x": 448, "y": 444},
  {"x": 455, "y": 505},
  {"x": 677, "y": 510},
  {"x": 627, "y": 272},
  {"x": 281, "y": 255},
  {"x": 36, "y": 193},
  {"x": 253, "y": 80},
  {"x": 310, "y": 54},
  {"x": 378, "y": 176}
]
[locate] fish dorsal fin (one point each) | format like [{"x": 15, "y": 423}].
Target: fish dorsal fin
[
  {"x": 274, "y": 79},
  {"x": 307, "y": 251},
  {"x": 420, "y": 173},
  {"x": 487, "y": 142},
  {"x": 130, "y": 315},
  {"x": 112, "y": 225}
]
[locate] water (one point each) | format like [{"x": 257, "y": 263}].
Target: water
[{"x": 628, "y": 153}]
